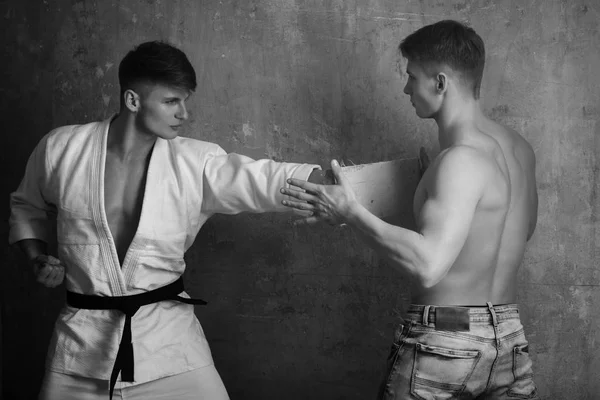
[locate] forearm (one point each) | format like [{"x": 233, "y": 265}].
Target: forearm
[
  {"x": 406, "y": 249},
  {"x": 234, "y": 183},
  {"x": 32, "y": 248}
]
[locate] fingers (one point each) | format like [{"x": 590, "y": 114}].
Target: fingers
[
  {"x": 53, "y": 260},
  {"x": 299, "y": 205},
  {"x": 316, "y": 218},
  {"x": 304, "y": 196},
  {"x": 304, "y": 185},
  {"x": 313, "y": 219},
  {"x": 59, "y": 277},
  {"x": 51, "y": 275},
  {"x": 49, "y": 271},
  {"x": 337, "y": 172}
]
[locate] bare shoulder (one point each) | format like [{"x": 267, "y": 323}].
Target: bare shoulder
[
  {"x": 513, "y": 141},
  {"x": 461, "y": 167},
  {"x": 466, "y": 159}
]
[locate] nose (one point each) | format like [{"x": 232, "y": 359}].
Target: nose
[{"x": 182, "y": 112}]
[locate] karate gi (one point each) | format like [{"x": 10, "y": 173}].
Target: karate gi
[{"x": 187, "y": 181}]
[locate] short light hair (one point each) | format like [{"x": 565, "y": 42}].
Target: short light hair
[{"x": 448, "y": 43}]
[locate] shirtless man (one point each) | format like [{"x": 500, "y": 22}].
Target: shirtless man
[
  {"x": 475, "y": 208},
  {"x": 130, "y": 197}
]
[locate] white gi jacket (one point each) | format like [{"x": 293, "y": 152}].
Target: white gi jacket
[{"x": 188, "y": 181}]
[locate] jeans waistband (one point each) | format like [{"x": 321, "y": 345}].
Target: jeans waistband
[{"x": 489, "y": 314}]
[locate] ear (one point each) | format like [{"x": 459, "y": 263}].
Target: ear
[
  {"x": 441, "y": 83},
  {"x": 131, "y": 100}
]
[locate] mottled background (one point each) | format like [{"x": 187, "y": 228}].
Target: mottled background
[{"x": 308, "y": 313}]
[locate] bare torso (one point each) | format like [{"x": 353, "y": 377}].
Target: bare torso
[
  {"x": 486, "y": 267},
  {"x": 124, "y": 184}
]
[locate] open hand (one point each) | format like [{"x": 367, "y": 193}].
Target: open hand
[
  {"x": 48, "y": 270},
  {"x": 328, "y": 203}
]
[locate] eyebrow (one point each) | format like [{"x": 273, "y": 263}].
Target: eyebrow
[
  {"x": 177, "y": 97},
  {"x": 174, "y": 93}
]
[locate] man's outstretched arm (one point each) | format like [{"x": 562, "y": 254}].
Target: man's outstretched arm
[
  {"x": 455, "y": 187},
  {"x": 234, "y": 183}
]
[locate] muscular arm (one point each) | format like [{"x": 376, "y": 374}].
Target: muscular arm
[{"x": 453, "y": 188}]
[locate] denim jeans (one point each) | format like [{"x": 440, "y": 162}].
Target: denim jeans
[{"x": 486, "y": 359}]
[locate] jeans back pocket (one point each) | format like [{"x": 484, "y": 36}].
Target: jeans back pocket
[
  {"x": 441, "y": 373},
  {"x": 523, "y": 386}
]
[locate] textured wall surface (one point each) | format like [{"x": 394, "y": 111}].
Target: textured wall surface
[{"x": 308, "y": 313}]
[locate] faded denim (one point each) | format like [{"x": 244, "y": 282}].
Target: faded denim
[{"x": 488, "y": 360}]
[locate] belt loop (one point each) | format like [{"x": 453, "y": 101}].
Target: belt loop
[
  {"x": 426, "y": 315},
  {"x": 494, "y": 319}
]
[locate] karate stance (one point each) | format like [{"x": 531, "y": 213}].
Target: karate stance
[
  {"x": 476, "y": 208},
  {"x": 130, "y": 197}
]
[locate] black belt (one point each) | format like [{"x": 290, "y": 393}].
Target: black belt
[{"x": 128, "y": 305}]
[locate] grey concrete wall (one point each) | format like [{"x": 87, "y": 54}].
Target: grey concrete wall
[{"x": 308, "y": 313}]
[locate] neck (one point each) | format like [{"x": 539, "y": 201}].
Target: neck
[
  {"x": 126, "y": 141},
  {"x": 455, "y": 118}
]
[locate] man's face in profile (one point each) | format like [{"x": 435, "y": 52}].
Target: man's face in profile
[
  {"x": 421, "y": 87},
  {"x": 162, "y": 110}
]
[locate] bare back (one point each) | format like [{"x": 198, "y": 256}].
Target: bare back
[{"x": 505, "y": 216}]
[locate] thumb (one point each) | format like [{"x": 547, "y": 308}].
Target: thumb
[
  {"x": 337, "y": 172},
  {"x": 53, "y": 260}
]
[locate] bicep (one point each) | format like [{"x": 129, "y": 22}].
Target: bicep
[
  {"x": 445, "y": 222},
  {"x": 445, "y": 218}
]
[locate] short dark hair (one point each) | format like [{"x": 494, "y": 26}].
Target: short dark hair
[
  {"x": 156, "y": 62},
  {"x": 451, "y": 43}
]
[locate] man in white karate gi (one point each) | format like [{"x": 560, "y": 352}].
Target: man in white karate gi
[{"x": 130, "y": 197}]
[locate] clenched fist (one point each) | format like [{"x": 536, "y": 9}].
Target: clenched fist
[{"x": 48, "y": 270}]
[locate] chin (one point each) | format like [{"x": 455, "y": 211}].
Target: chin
[
  {"x": 168, "y": 135},
  {"x": 425, "y": 115}
]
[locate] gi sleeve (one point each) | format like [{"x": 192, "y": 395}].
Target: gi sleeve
[
  {"x": 234, "y": 183},
  {"x": 29, "y": 204}
]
